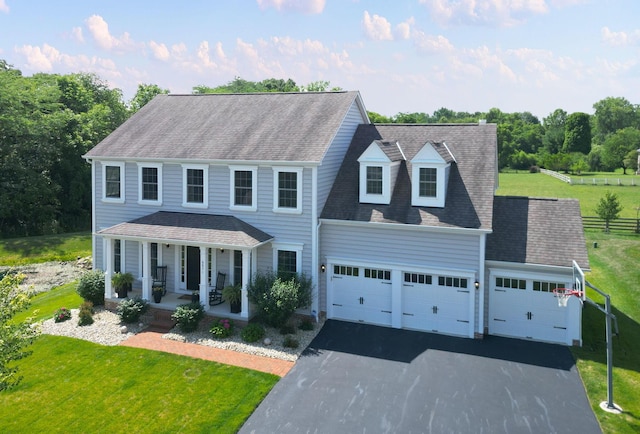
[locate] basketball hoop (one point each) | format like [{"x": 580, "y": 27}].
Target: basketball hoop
[{"x": 563, "y": 294}]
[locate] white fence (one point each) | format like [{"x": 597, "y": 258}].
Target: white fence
[{"x": 632, "y": 181}]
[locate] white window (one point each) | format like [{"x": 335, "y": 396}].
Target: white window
[
  {"x": 429, "y": 175},
  {"x": 287, "y": 258},
  {"x": 287, "y": 190},
  {"x": 195, "y": 182},
  {"x": 150, "y": 183},
  {"x": 113, "y": 182},
  {"x": 243, "y": 192},
  {"x": 118, "y": 256},
  {"x": 375, "y": 183}
]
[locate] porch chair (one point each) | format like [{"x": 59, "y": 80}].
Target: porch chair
[
  {"x": 160, "y": 279},
  {"x": 215, "y": 293}
]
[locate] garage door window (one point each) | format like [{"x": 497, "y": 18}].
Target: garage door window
[
  {"x": 372, "y": 273},
  {"x": 546, "y": 286},
  {"x": 344, "y": 270},
  {"x": 504, "y": 282},
  {"x": 455, "y": 282},
  {"x": 418, "y": 278}
]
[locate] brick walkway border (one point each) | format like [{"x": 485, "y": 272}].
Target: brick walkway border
[{"x": 154, "y": 341}]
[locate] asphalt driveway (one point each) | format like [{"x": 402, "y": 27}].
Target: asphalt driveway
[{"x": 363, "y": 378}]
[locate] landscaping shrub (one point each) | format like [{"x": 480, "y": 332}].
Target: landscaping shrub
[
  {"x": 91, "y": 287},
  {"x": 277, "y": 297},
  {"x": 131, "y": 309},
  {"x": 287, "y": 329},
  {"x": 222, "y": 328},
  {"x": 86, "y": 314},
  {"x": 62, "y": 314},
  {"x": 290, "y": 342},
  {"x": 188, "y": 316},
  {"x": 306, "y": 324},
  {"x": 252, "y": 333}
]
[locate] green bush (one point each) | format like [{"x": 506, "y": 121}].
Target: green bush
[
  {"x": 131, "y": 309},
  {"x": 290, "y": 342},
  {"x": 91, "y": 287},
  {"x": 287, "y": 329},
  {"x": 86, "y": 314},
  {"x": 222, "y": 328},
  {"x": 306, "y": 324},
  {"x": 252, "y": 333},
  {"x": 188, "y": 316},
  {"x": 277, "y": 297}
]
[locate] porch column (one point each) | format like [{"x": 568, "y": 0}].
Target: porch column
[
  {"x": 204, "y": 275},
  {"x": 246, "y": 277},
  {"x": 108, "y": 255},
  {"x": 146, "y": 270}
]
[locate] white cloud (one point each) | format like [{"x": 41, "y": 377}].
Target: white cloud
[
  {"x": 76, "y": 33},
  {"x": 376, "y": 27},
  {"x": 429, "y": 44},
  {"x": 403, "y": 30},
  {"x": 99, "y": 29},
  {"x": 500, "y": 13},
  {"x": 3, "y": 7},
  {"x": 620, "y": 39},
  {"x": 302, "y": 6},
  {"x": 160, "y": 51},
  {"x": 40, "y": 59}
]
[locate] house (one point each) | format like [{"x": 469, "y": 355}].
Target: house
[{"x": 397, "y": 225}]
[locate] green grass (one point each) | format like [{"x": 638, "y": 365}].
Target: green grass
[
  {"x": 540, "y": 185},
  {"x": 615, "y": 271},
  {"x": 72, "y": 385},
  {"x": 46, "y": 303},
  {"x": 46, "y": 248}
]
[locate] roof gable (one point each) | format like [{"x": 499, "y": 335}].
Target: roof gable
[
  {"x": 429, "y": 155},
  {"x": 291, "y": 127}
]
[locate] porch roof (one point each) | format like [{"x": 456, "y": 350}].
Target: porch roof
[{"x": 199, "y": 229}]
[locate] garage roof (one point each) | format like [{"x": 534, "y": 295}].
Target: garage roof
[{"x": 537, "y": 231}]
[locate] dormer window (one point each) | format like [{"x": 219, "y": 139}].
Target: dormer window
[
  {"x": 429, "y": 175},
  {"x": 379, "y": 165}
]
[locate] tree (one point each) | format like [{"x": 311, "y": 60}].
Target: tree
[
  {"x": 608, "y": 208},
  {"x": 553, "y": 139},
  {"x": 14, "y": 336},
  {"x": 144, "y": 94},
  {"x": 577, "y": 133},
  {"x": 613, "y": 114},
  {"x": 631, "y": 160},
  {"x": 618, "y": 145}
]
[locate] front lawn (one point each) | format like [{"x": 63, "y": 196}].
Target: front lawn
[
  {"x": 46, "y": 248},
  {"x": 44, "y": 304},
  {"x": 72, "y": 385}
]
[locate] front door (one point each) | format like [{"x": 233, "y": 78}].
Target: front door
[{"x": 193, "y": 268}]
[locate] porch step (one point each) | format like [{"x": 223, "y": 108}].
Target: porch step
[{"x": 162, "y": 322}]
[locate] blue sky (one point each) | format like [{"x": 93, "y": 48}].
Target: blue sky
[{"x": 402, "y": 55}]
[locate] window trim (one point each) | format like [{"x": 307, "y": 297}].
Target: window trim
[
  {"x": 232, "y": 189},
  {"x": 291, "y": 247},
  {"x": 432, "y": 201},
  {"x": 205, "y": 181},
  {"x": 121, "y": 166},
  {"x": 276, "y": 190},
  {"x": 385, "y": 196},
  {"x": 141, "y": 199}
]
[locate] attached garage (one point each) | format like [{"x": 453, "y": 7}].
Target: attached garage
[
  {"x": 412, "y": 299},
  {"x": 524, "y": 306}
]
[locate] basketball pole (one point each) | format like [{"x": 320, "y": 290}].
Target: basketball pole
[{"x": 609, "y": 406}]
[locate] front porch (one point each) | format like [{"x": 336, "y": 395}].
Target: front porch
[{"x": 172, "y": 300}]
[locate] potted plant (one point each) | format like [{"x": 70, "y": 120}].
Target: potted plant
[
  {"x": 195, "y": 297},
  {"x": 157, "y": 294},
  {"x": 122, "y": 283},
  {"x": 233, "y": 294}
]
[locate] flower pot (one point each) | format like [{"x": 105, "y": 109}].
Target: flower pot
[
  {"x": 236, "y": 307},
  {"x": 157, "y": 296},
  {"x": 195, "y": 297}
]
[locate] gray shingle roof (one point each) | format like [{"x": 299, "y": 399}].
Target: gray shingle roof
[
  {"x": 469, "y": 202},
  {"x": 537, "y": 231},
  {"x": 248, "y": 127},
  {"x": 165, "y": 226},
  {"x": 391, "y": 149}
]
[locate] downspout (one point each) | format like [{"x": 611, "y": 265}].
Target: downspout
[
  {"x": 314, "y": 243},
  {"x": 93, "y": 214},
  {"x": 481, "y": 277}
]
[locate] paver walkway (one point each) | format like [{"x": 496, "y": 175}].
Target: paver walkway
[{"x": 154, "y": 341}]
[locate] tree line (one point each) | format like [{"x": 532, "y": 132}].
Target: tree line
[{"x": 48, "y": 121}]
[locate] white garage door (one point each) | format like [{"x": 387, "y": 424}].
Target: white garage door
[
  {"x": 361, "y": 294},
  {"x": 436, "y": 303},
  {"x": 527, "y": 308}
]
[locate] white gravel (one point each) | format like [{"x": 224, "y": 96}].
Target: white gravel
[{"x": 48, "y": 275}]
